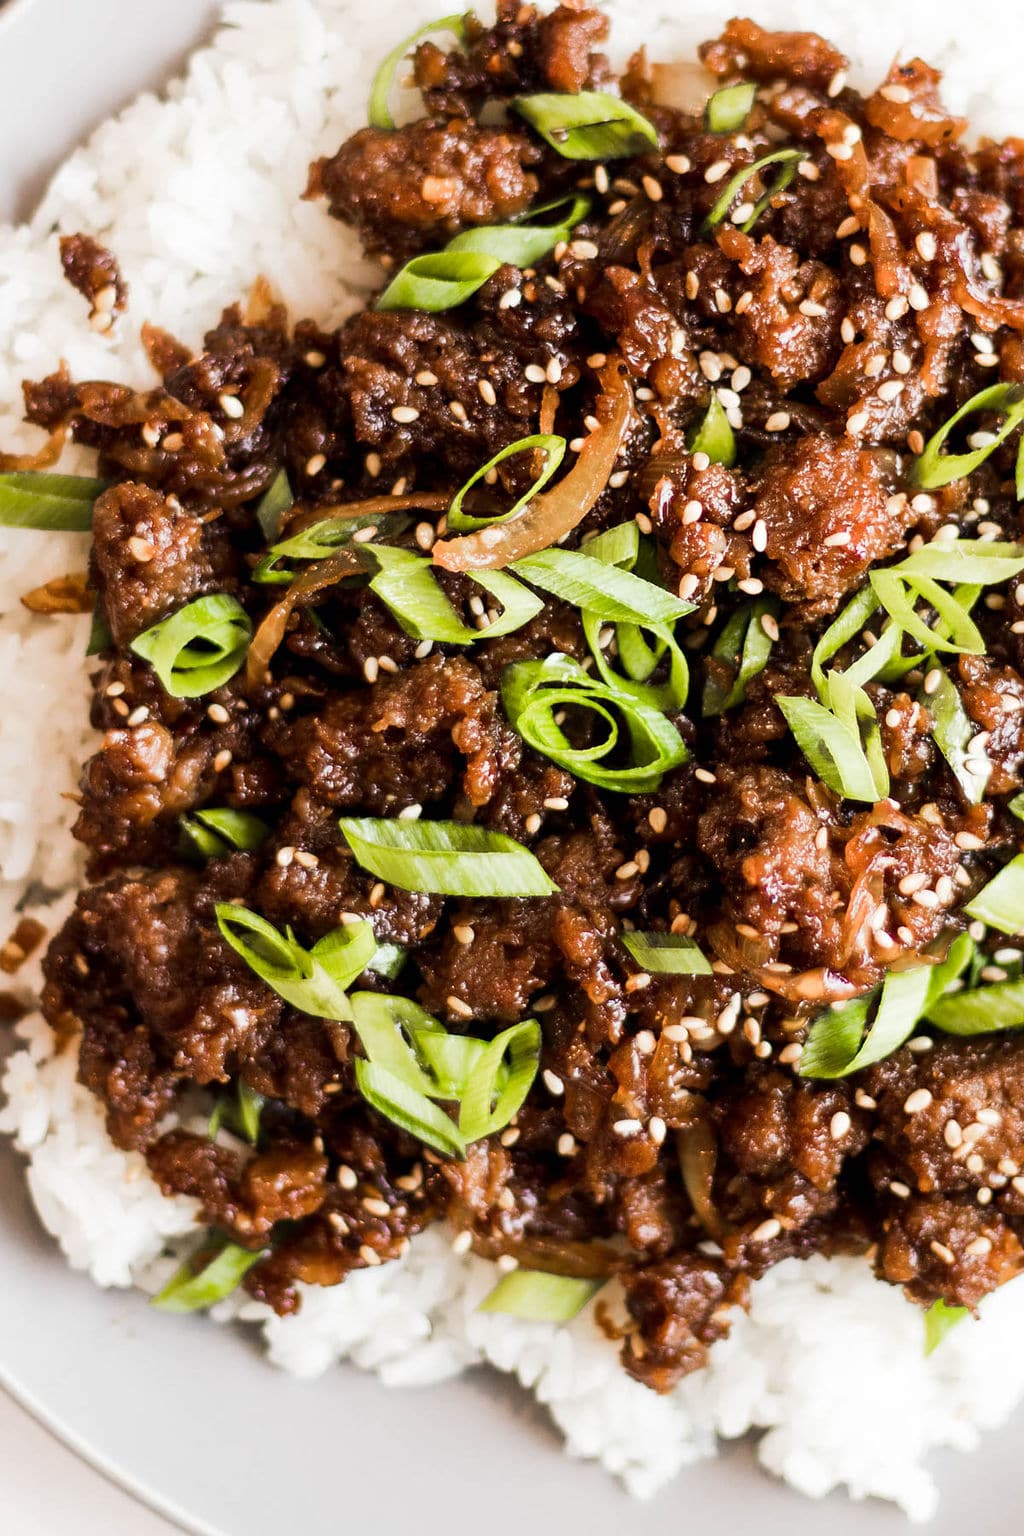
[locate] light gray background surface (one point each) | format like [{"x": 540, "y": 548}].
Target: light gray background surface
[{"x": 188, "y": 1413}]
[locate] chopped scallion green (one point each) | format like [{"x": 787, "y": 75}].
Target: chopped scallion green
[
  {"x": 938, "y": 1320},
  {"x": 199, "y": 648},
  {"x": 189, "y": 1290},
  {"x": 635, "y": 746},
  {"x": 549, "y": 444},
  {"x": 1000, "y": 904},
  {"x": 218, "y": 830},
  {"x": 666, "y": 954},
  {"x": 451, "y": 858},
  {"x": 589, "y": 125},
  {"x": 312, "y": 980},
  {"x": 715, "y": 435},
  {"x": 728, "y": 109},
  {"x": 379, "y": 111},
  {"x": 786, "y": 159},
  {"x": 54, "y": 503},
  {"x": 540, "y": 1298},
  {"x": 935, "y": 469}
]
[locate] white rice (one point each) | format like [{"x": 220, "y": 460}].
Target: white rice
[{"x": 198, "y": 194}]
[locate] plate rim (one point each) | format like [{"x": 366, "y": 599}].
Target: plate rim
[{"x": 80, "y": 1446}]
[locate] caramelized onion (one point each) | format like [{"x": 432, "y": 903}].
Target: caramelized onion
[
  {"x": 324, "y": 574},
  {"x": 697, "y": 1147},
  {"x": 549, "y": 517},
  {"x": 43, "y": 458},
  {"x": 685, "y": 86}
]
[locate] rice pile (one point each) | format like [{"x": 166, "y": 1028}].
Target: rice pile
[{"x": 198, "y": 194}]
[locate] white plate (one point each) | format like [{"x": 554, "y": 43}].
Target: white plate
[{"x": 188, "y": 1416}]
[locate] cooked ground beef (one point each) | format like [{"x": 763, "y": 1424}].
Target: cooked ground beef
[{"x": 877, "y": 292}]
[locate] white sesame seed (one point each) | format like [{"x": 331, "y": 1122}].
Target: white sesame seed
[
  {"x": 839, "y": 1125},
  {"x": 315, "y": 464},
  {"x": 347, "y": 1177},
  {"x": 716, "y": 171},
  {"x": 404, "y": 413},
  {"x": 231, "y": 406},
  {"x": 916, "y": 1101},
  {"x": 553, "y": 1083},
  {"x": 627, "y": 1127},
  {"x": 566, "y": 1144},
  {"x": 767, "y": 1230},
  {"x": 927, "y": 245},
  {"x": 535, "y": 374}
]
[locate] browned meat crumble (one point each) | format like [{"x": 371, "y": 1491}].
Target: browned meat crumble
[{"x": 882, "y": 289}]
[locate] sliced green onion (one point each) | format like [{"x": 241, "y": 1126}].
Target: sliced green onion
[
  {"x": 1019, "y": 476},
  {"x": 439, "y": 280},
  {"x": 198, "y": 648},
  {"x": 378, "y": 111},
  {"x": 450, "y": 858},
  {"x": 413, "y": 1060},
  {"x": 391, "y": 1097},
  {"x": 715, "y": 435},
  {"x": 218, "y": 829},
  {"x": 548, "y": 443},
  {"x": 841, "y": 631},
  {"x": 54, "y": 503},
  {"x": 934, "y": 468},
  {"x": 520, "y": 243},
  {"x": 787, "y": 159},
  {"x": 837, "y": 1045},
  {"x": 938, "y": 1320},
  {"x": 250, "y": 1108},
  {"x": 980, "y": 561},
  {"x": 242, "y": 1114},
  {"x": 407, "y": 583},
  {"x": 621, "y": 546},
  {"x": 189, "y": 1291},
  {"x": 728, "y": 109},
  {"x": 273, "y": 504},
  {"x": 643, "y": 748},
  {"x": 639, "y": 661},
  {"x": 100, "y": 638},
  {"x": 316, "y": 542},
  {"x": 833, "y": 748},
  {"x": 1000, "y": 904},
  {"x": 1016, "y": 806},
  {"x": 957, "y": 630},
  {"x": 615, "y": 595},
  {"x": 540, "y": 1298},
  {"x": 499, "y": 1082},
  {"x": 744, "y": 646},
  {"x": 313, "y": 980},
  {"x": 953, "y": 729},
  {"x": 382, "y": 1024},
  {"x": 590, "y": 125},
  {"x": 618, "y": 545},
  {"x": 666, "y": 954},
  {"x": 981, "y": 1011}
]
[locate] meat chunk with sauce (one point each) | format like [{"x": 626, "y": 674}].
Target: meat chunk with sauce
[
  {"x": 827, "y": 515},
  {"x": 411, "y": 188}
]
